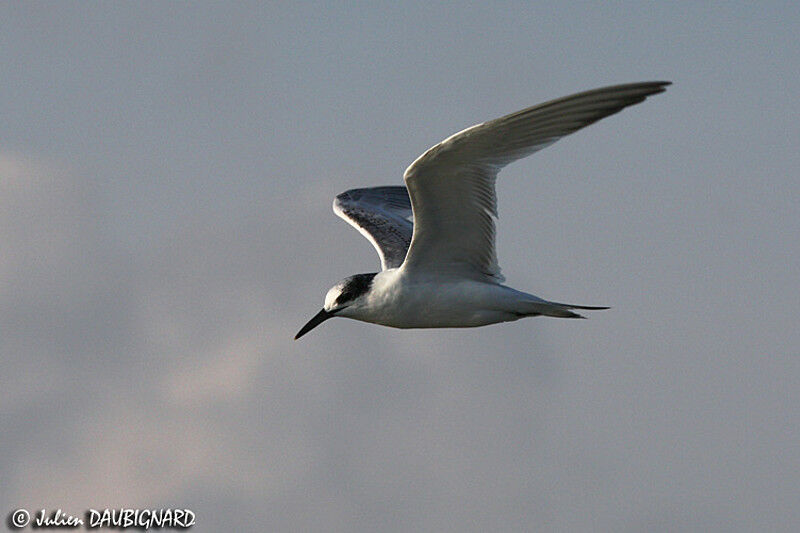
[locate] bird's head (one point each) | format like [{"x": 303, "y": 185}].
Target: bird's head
[{"x": 343, "y": 299}]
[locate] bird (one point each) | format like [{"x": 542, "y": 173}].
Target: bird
[{"x": 436, "y": 236}]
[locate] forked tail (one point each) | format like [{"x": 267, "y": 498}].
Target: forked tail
[{"x": 558, "y": 310}]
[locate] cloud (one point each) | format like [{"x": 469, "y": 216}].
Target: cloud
[{"x": 98, "y": 357}]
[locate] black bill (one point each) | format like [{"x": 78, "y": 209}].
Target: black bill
[{"x": 318, "y": 319}]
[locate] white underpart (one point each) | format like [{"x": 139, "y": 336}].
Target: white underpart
[{"x": 400, "y": 301}]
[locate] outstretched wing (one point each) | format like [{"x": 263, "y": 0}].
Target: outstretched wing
[
  {"x": 452, "y": 185},
  {"x": 382, "y": 215}
]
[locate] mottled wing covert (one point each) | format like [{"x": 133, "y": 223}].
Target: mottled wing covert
[{"x": 383, "y": 215}]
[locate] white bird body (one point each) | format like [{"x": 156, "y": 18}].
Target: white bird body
[
  {"x": 436, "y": 236},
  {"x": 402, "y": 300}
]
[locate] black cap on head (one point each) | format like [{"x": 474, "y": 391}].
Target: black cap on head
[{"x": 355, "y": 286}]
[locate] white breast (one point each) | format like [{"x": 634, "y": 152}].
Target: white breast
[{"x": 399, "y": 301}]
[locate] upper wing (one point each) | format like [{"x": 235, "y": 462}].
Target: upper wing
[
  {"x": 452, "y": 185},
  {"x": 382, "y": 215}
]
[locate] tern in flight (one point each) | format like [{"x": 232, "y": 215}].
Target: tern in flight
[{"x": 436, "y": 235}]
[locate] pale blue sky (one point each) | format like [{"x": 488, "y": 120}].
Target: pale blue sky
[{"x": 166, "y": 174}]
